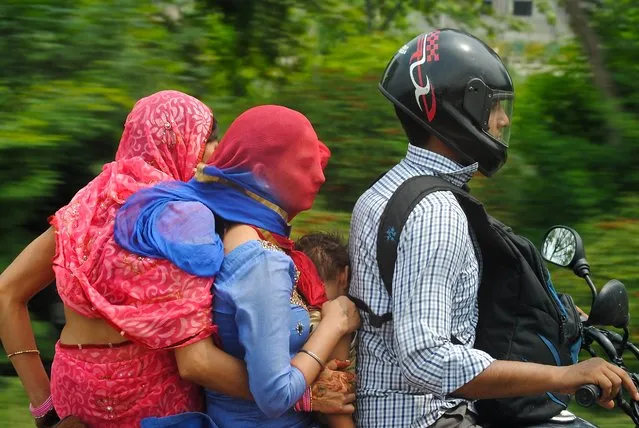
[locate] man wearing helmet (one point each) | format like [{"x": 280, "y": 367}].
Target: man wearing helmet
[{"x": 453, "y": 96}]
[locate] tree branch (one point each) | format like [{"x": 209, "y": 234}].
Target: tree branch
[
  {"x": 369, "y": 16},
  {"x": 589, "y": 41}
]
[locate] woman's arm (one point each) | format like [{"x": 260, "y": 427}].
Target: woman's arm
[
  {"x": 342, "y": 349},
  {"x": 207, "y": 365},
  {"x": 339, "y": 317},
  {"x": 341, "y": 352},
  {"x": 261, "y": 295},
  {"x": 263, "y": 319},
  {"x": 29, "y": 273}
]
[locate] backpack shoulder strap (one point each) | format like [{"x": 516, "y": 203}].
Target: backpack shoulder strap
[
  {"x": 395, "y": 214},
  {"x": 394, "y": 217}
]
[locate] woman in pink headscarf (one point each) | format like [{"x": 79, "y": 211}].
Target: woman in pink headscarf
[{"x": 115, "y": 362}]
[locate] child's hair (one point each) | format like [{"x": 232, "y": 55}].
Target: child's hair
[{"x": 327, "y": 251}]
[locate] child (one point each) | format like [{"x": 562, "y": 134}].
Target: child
[{"x": 329, "y": 254}]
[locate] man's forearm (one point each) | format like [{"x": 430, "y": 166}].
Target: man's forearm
[{"x": 512, "y": 379}]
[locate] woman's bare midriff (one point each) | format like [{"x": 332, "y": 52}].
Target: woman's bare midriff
[{"x": 80, "y": 330}]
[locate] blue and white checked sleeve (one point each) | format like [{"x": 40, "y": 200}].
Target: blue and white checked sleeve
[{"x": 432, "y": 251}]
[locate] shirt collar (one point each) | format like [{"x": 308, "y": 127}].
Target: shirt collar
[{"x": 432, "y": 163}]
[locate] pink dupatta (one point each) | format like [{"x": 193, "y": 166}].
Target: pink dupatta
[{"x": 151, "y": 302}]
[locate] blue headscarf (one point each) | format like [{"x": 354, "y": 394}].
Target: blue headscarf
[{"x": 167, "y": 220}]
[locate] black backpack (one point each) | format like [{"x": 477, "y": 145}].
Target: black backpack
[{"x": 521, "y": 317}]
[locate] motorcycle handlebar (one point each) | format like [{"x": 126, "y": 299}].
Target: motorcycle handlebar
[
  {"x": 603, "y": 340},
  {"x": 587, "y": 395},
  {"x": 618, "y": 340}
]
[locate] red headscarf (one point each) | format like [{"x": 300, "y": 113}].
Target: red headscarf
[
  {"x": 150, "y": 301},
  {"x": 280, "y": 147}
]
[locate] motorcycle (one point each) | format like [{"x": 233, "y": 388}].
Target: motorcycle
[{"x": 562, "y": 246}]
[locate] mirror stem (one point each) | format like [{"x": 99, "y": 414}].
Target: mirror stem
[
  {"x": 593, "y": 289},
  {"x": 626, "y": 334}
]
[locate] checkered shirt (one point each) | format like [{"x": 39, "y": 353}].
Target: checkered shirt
[{"x": 408, "y": 368}]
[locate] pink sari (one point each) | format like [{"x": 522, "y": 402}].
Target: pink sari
[{"x": 151, "y": 302}]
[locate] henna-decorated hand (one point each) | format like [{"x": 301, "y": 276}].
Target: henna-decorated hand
[{"x": 334, "y": 390}]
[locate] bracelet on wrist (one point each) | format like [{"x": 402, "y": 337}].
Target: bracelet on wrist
[
  {"x": 315, "y": 357},
  {"x": 42, "y": 409}
]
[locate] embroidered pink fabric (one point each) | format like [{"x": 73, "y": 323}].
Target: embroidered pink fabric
[
  {"x": 119, "y": 387},
  {"x": 151, "y": 302}
]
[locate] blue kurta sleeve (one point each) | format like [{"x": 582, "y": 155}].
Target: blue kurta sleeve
[{"x": 261, "y": 292}]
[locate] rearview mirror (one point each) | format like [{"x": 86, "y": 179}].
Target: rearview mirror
[
  {"x": 610, "y": 307},
  {"x": 563, "y": 247}
]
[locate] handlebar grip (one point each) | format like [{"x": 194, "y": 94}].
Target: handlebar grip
[{"x": 587, "y": 395}]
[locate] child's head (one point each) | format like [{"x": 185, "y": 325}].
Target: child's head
[{"x": 329, "y": 253}]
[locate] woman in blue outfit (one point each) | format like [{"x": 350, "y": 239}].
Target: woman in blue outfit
[{"x": 232, "y": 222}]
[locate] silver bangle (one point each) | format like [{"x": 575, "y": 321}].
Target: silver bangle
[{"x": 315, "y": 357}]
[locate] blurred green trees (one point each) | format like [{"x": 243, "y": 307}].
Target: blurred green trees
[
  {"x": 566, "y": 166},
  {"x": 72, "y": 70}
]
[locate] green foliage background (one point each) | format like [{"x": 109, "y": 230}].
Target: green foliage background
[{"x": 71, "y": 71}]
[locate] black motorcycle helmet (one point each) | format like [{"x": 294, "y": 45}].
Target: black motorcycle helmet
[{"x": 449, "y": 82}]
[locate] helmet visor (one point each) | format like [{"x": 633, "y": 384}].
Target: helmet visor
[{"x": 500, "y": 117}]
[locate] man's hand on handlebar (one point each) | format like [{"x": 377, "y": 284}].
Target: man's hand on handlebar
[{"x": 597, "y": 371}]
